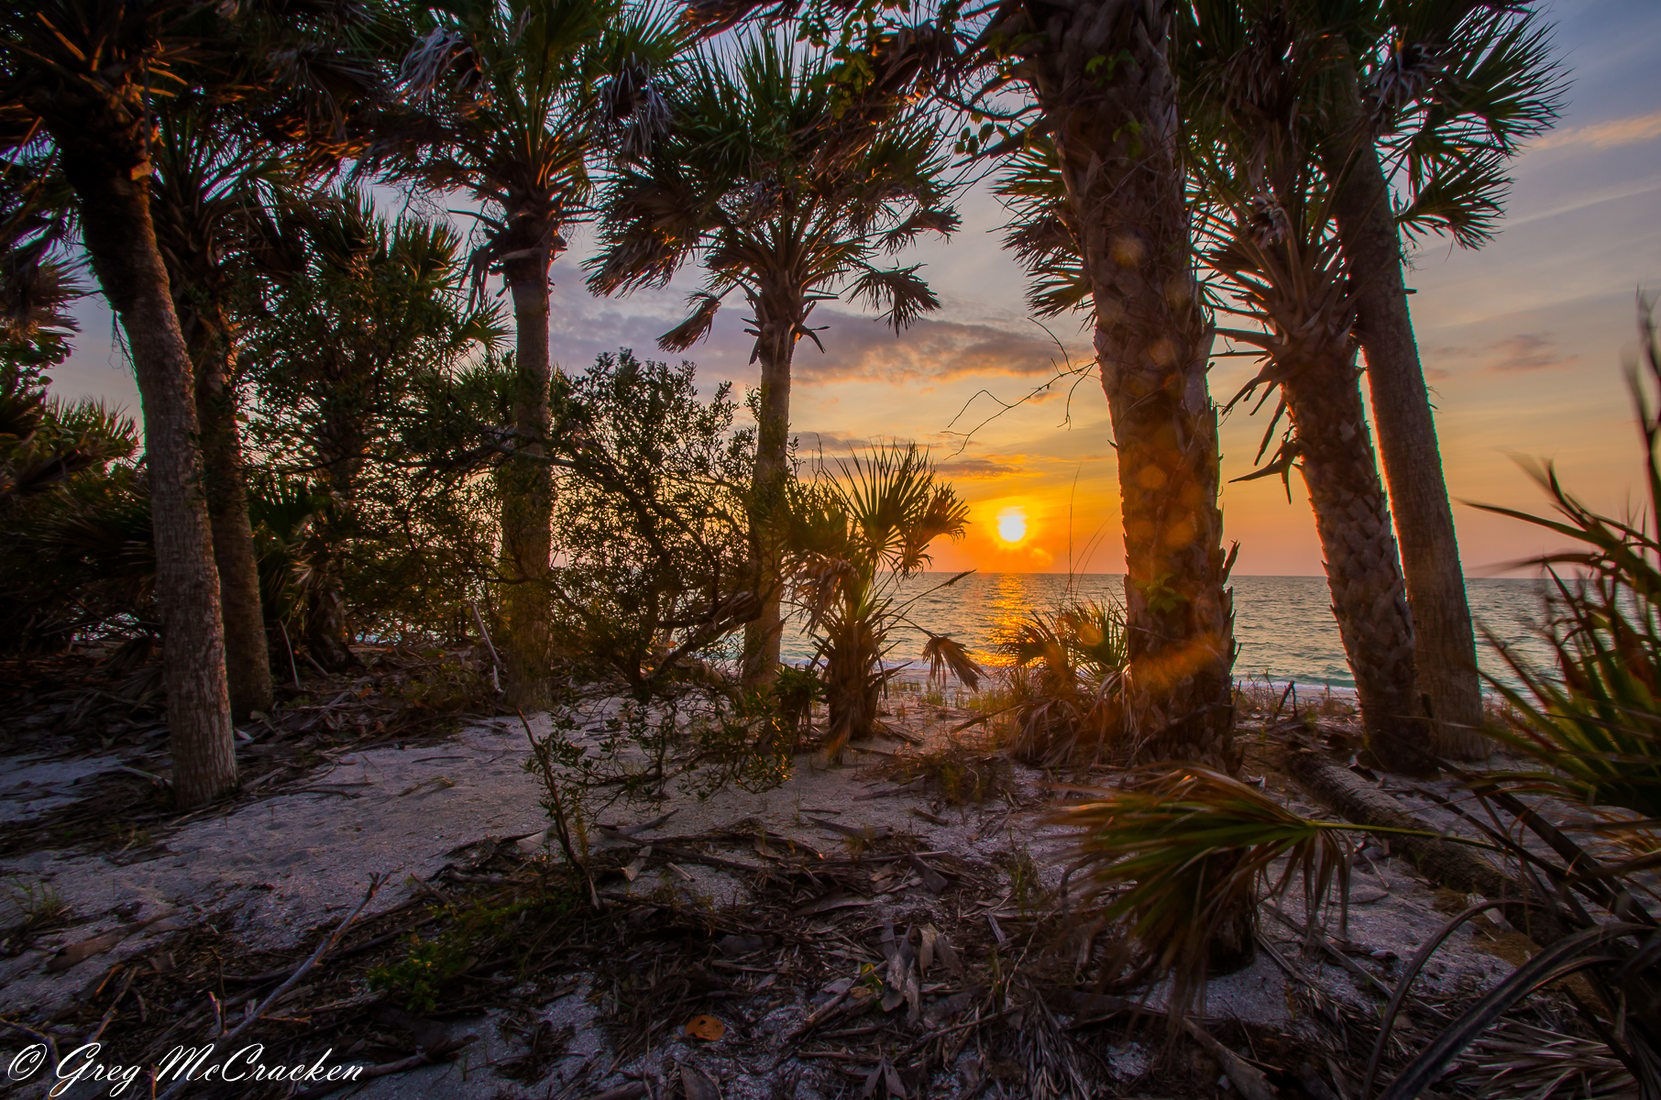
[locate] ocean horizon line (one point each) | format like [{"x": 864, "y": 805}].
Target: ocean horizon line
[{"x": 1232, "y": 576}]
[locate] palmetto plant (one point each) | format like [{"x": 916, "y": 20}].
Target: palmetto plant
[
  {"x": 1067, "y": 670},
  {"x": 1174, "y": 851},
  {"x": 788, "y": 195},
  {"x": 79, "y": 557},
  {"x": 1594, "y": 721},
  {"x": 511, "y": 102},
  {"x": 852, "y": 534}
]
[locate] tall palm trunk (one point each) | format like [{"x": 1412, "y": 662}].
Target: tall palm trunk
[
  {"x": 528, "y": 491},
  {"x": 778, "y": 320},
  {"x": 1103, "y": 79},
  {"x": 247, "y": 655},
  {"x": 1445, "y": 644},
  {"x": 1323, "y": 395},
  {"x": 120, "y": 237}
]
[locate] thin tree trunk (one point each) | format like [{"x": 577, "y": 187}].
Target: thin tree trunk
[
  {"x": 1445, "y": 643},
  {"x": 1362, "y": 566},
  {"x": 1103, "y": 79},
  {"x": 247, "y": 654},
  {"x": 778, "y": 319},
  {"x": 116, "y": 226},
  {"x": 326, "y": 634},
  {"x": 528, "y": 496},
  {"x": 341, "y": 447}
]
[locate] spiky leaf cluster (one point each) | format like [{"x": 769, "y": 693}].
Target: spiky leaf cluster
[{"x": 771, "y": 182}]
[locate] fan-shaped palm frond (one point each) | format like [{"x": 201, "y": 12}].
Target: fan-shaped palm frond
[{"x": 852, "y": 533}]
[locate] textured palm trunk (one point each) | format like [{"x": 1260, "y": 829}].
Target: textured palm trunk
[
  {"x": 327, "y": 637},
  {"x": 1363, "y": 569},
  {"x": 247, "y": 655},
  {"x": 1103, "y": 80},
  {"x": 120, "y": 237},
  {"x": 528, "y": 494},
  {"x": 778, "y": 317},
  {"x": 1445, "y": 644}
]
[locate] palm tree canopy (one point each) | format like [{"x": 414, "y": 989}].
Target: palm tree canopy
[
  {"x": 1451, "y": 90},
  {"x": 775, "y": 183},
  {"x": 507, "y": 100},
  {"x": 373, "y": 304}
]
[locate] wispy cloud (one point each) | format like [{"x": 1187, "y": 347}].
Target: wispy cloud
[
  {"x": 1527, "y": 351},
  {"x": 1607, "y": 134},
  {"x": 978, "y": 469},
  {"x": 858, "y": 348}
]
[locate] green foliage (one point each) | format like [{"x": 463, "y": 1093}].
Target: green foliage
[
  {"x": 1042, "y": 230},
  {"x": 79, "y": 560},
  {"x": 1065, "y": 682},
  {"x": 692, "y": 737},
  {"x": 467, "y": 935},
  {"x": 774, "y": 182},
  {"x": 649, "y": 518},
  {"x": 366, "y": 483},
  {"x": 1593, "y": 723},
  {"x": 795, "y": 692},
  {"x": 513, "y": 102},
  {"x": 852, "y": 534},
  {"x": 1174, "y": 851}
]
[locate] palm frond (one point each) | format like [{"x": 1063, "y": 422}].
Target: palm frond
[
  {"x": 1173, "y": 853},
  {"x": 695, "y": 327},
  {"x": 943, "y": 655}
]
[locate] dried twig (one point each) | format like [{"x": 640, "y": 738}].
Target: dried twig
[
  {"x": 1241, "y": 1074},
  {"x": 556, "y": 805},
  {"x": 293, "y": 979}
]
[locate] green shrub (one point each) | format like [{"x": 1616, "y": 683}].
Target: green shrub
[
  {"x": 853, "y": 533},
  {"x": 1065, "y": 682}
]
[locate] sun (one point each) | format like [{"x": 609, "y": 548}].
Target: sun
[{"x": 1012, "y": 524}]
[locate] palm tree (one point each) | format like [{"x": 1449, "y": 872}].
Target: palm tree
[
  {"x": 510, "y": 102},
  {"x": 1435, "y": 95},
  {"x": 198, "y": 200},
  {"x": 789, "y": 196},
  {"x": 218, "y": 162},
  {"x": 76, "y": 75},
  {"x": 337, "y": 348},
  {"x": 79, "y": 80},
  {"x": 1100, "y": 219},
  {"x": 1268, "y": 218},
  {"x": 851, "y": 537}
]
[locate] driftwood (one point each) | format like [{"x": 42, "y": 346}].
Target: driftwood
[{"x": 1444, "y": 861}]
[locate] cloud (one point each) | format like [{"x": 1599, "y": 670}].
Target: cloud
[
  {"x": 859, "y": 348},
  {"x": 1528, "y": 351},
  {"x": 974, "y": 469},
  {"x": 1607, "y": 134},
  {"x": 833, "y": 444}
]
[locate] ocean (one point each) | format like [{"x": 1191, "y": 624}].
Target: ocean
[{"x": 1283, "y": 625}]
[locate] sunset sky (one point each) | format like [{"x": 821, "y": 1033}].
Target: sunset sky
[{"x": 1523, "y": 344}]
